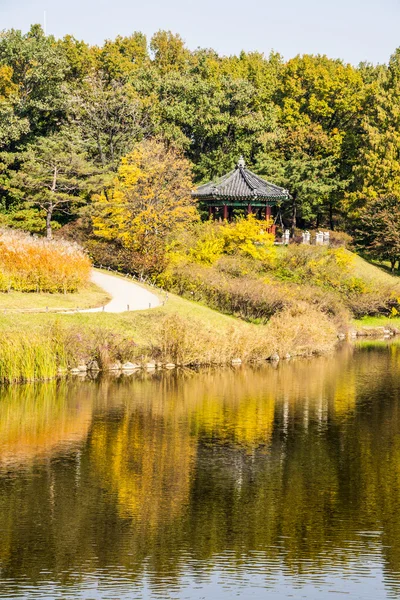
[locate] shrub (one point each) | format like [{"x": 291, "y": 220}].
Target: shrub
[
  {"x": 340, "y": 239},
  {"x": 319, "y": 265},
  {"x": 249, "y": 237},
  {"x": 245, "y": 297},
  {"x": 28, "y": 357},
  {"x": 186, "y": 341},
  {"x": 30, "y": 264},
  {"x": 302, "y": 330}
]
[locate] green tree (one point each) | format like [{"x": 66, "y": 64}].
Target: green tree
[
  {"x": 110, "y": 117},
  {"x": 39, "y": 69},
  {"x": 320, "y": 102},
  {"x": 54, "y": 175},
  {"x": 377, "y": 171},
  {"x": 379, "y": 230},
  {"x": 169, "y": 51},
  {"x": 121, "y": 58}
]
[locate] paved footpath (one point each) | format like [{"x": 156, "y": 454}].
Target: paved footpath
[{"x": 124, "y": 293}]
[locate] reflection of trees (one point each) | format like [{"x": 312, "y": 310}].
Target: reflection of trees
[
  {"x": 146, "y": 461},
  {"x": 38, "y": 420},
  {"x": 292, "y": 463}
]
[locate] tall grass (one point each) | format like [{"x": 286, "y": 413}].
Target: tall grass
[
  {"x": 30, "y": 264},
  {"x": 24, "y": 357},
  {"x": 184, "y": 340},
  {"x": 28, "y": 356}
]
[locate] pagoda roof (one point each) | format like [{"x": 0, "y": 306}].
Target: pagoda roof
[{"x": 243, "y": 185}]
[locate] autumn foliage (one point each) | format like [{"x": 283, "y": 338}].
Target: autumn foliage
[
  {"x": 29, "y": 264},
  {"x": 150, "y": 198}
]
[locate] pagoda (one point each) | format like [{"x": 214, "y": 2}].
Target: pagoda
[{"x": 240, "y": 189}]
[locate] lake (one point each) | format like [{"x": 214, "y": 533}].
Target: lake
[{"x": 264, "y": 482}]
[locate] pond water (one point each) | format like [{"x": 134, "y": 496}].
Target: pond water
[{"x": 253, "y": 483}]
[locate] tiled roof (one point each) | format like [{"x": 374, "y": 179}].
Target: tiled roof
[{"x": 242, "y": 184}]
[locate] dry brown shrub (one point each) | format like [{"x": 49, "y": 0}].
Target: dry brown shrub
[
  {"x": 302, "y": 330},
  {"x": 186, "y": 341},
  {"x": 373, "y": 302},
  {"x": 246, "y": 297}
]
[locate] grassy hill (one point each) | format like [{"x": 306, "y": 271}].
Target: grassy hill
[
  {"x": 182, "y": 331},
  {"x": 90, "y": 296}
]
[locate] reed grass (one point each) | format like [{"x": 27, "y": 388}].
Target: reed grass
[
  {"x": 181, "y": 332},
  {"x": 24, "y": 357},
  {"x": 30, "y": 264}
]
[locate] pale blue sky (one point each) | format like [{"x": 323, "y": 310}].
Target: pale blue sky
[{"x": 354, "y": 30}]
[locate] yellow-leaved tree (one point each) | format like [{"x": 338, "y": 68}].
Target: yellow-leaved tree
[{"x": 149, "y": 201}]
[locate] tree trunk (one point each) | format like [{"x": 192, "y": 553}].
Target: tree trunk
[
  {"x": 331, "y": 223},
  {"x": 49, "y": 214},
  {"x": 294, "y": 214},
  {"x": 392, "y": 264},
  {"x": 101, "y": 153},
  {"x": 50, "y": 208}
]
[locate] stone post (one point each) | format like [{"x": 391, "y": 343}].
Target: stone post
[{"x": 286, "y": 237}]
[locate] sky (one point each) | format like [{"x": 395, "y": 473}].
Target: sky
[{"x": 353, "y": 30}]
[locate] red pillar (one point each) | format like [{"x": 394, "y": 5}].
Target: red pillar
[
  {"x": 225, "y": 212},
  {"x": 249, "y": 209},
  {"x": 267, "y": 212}
]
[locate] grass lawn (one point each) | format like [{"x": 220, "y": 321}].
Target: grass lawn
[
  {"x": 376, "y": 273},
  {"x": 136, "y": 324},
  {"x": 89, "y": 297},
  {"x": 377, "y": 322}
]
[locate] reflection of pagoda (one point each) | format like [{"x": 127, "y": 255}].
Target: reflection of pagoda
[{"x": 240, "y": 189}]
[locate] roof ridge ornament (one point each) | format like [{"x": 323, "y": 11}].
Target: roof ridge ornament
[{"x": 241, "y": 162}]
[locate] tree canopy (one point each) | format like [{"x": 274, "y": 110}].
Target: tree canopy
[{"x": 326, "y": 130}]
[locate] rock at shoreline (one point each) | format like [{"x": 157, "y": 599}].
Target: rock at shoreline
[
  {"x": 150, "y": 366},
  {"x": 170, "y": 366},
  {"x": 236, "y": 361},
  {"x": 93, "y": 365},
  {"x": 115, "y": 367},
  {"x": 128, "y": 366},
  {"x": 274, "y": 357}
]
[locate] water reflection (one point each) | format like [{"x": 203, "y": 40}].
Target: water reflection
[{"x": 263, "y": 482}]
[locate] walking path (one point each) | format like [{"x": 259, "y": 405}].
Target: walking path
[{"x": 125, "y": 294}]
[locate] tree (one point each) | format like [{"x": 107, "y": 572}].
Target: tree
[
  {"x": 304, "y": 162},
  {"x": 320, "y": 102},
  {"x": 11, "y": 125},
  {"x": 54, "y": 173},
  {"x": 150, "y": 198},
  {"x": 39, "y": 69},
  {"x": 377, "y": 171},
  {"x": 119, "y": 59},
  {"x": 379, "y": 230},
  {"x": 110, "y": 117},
  {"x": 169, "y": 51}
]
